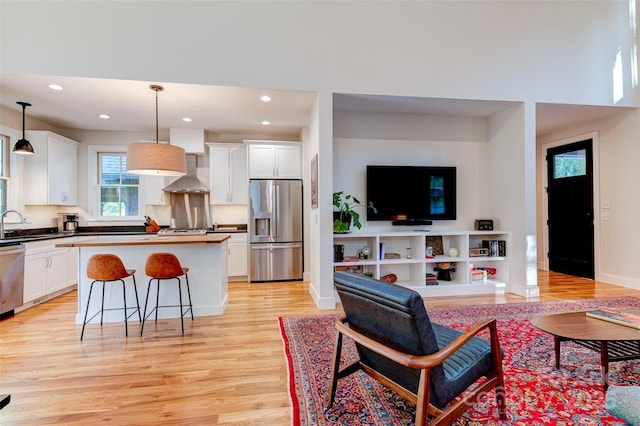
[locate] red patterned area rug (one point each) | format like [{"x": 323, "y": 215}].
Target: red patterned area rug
[{"x": 537, "y": 393}]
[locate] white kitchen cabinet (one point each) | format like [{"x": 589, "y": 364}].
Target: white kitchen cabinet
[
  {"x": 274, "y": 160},
  {"x": 45, "y": 269},
  {"x": 191, "y": 140},
  {"x": 51, "y": 170},
  {"x": 229, "y": 177},
  {"x": 238, "y": 259},
  {"x": 154, "y": 194}
]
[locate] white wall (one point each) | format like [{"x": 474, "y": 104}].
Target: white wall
[{"x": 520, "y": 50}]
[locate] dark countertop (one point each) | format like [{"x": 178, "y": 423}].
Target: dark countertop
[{"x": 19, "y": 236}]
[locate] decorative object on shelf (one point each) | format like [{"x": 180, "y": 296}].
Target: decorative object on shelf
[
  {"x": 346, "y": 213},
  {"x": 338, "y": 252},
  {"x": 390, "y": 278},
  {"x": 392, "y": 255},
  {"x": 444, "y": 270},
  {"x": 436, "y": 244},
  {"x": 429, "y": 252},
  {"x": 453, "y": 252},
  {"x": 23, "y": 146},
  {"x": 364, "y": 252},
  {"x": 408, "y": 253},
  {"x": 484, "y": 224},
  {"x": 156, "y": 159},
  {"x": 476, "y": 252},
  {"x": 490, "y": 270}
]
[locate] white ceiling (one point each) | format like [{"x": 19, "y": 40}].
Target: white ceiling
[
  {"x": 131, "y": 105},
  {"x": 233, "y": 110}
]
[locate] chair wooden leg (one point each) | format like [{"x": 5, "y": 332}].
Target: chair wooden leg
[
  {"x": 335, "y": 368},
  {"x": 496, "y": 358},
  {"x": 422, "y": 399}
]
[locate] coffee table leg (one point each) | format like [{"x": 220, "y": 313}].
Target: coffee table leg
[
  {"x": 556, "y": 345},
  {"x": 604, "y": 363}
]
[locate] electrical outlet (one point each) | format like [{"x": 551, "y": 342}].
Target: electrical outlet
[
  {"x": 606, "y": 204},
  {"x": 606, "y": 216}
]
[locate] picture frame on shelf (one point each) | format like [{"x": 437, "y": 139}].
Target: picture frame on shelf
[{"x": 435, "y": 243}]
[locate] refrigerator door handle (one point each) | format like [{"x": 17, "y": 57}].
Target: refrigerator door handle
[
  {"x": 274, "y": 246},
  {"x": 276, "y": 233}
]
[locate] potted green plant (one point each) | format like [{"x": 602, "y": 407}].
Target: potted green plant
[{"x": 346, "y": 214}]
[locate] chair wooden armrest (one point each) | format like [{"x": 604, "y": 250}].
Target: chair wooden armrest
[{"x": 423, "y": 361}]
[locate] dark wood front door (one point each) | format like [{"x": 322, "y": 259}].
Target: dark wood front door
[{"x": 570, "y": 214}]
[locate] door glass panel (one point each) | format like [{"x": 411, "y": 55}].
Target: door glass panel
[{"x": 570, "y": 164}]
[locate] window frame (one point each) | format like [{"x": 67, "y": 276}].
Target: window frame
[{"x": 93, "y": 169}]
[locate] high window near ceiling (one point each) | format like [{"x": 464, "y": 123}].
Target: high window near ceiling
[
  {"x": 119, "y": 191},
  {"x": 4, "y": 171}
]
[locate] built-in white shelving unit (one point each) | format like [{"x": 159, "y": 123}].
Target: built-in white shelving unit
[{"x": 412, "y": 271}]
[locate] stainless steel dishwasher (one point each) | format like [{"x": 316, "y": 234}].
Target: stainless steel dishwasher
[{"x": 11, "y": 277}]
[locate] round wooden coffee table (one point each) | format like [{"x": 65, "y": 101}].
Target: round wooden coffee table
[{"x": 614, "y": 342}]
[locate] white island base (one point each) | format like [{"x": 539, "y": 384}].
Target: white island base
[{"x": 205, "y": 256}]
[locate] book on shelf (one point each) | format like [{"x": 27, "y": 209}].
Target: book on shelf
[
  {"x": 351, "y": 259},
  {"x": 617, "y": 316},
  {"x": 431, "y": 279},
  {"x": 496, "y": 247}
]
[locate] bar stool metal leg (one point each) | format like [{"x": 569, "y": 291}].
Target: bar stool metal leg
[
  {"x": 186, "y": 277},
  {"x": 180, "y": 299},
  {"x": 86, "y": 312},
  {"x": 124, "y": 297},
  {"x": 102, "y": 304}
]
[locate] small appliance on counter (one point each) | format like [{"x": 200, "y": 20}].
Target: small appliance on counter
[{"x": 68, "y": 222}]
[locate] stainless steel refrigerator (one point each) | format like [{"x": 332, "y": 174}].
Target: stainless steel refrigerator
[{"x": 275, "y": 230}]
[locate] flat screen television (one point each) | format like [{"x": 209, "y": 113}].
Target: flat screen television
[{"x": 411, "y": 194}]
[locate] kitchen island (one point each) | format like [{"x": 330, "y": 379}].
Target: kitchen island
[{"x": 204, "y": 255}]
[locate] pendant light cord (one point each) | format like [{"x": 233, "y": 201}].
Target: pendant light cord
[
  {"x": 157, "y": 89},
  {"x": 24, "y": 108}
]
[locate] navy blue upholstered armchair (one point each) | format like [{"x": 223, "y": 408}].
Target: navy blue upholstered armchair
[{"x": 426, "y": 363}]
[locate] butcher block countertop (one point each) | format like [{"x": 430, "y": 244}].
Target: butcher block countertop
[{"x": 144, "y": 240}]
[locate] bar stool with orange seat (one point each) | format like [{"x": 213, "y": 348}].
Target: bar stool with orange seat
[
  {"x": 166, "y": 266},
  {"x": 109, "y": 268}
]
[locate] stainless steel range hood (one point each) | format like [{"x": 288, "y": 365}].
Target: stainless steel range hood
[{"x": 188, "y": 183}]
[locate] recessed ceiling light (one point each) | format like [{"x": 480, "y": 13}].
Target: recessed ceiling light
[
  {"x": 105, "y": 116},
  {"x": 265, "y": 123},
  {"x": 265, "y": 98},
  {"x": 187, "y": 119},
  {"x": 55, "y": 87}
]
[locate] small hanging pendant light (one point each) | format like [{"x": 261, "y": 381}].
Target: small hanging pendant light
[
  {"x": 156, "y": 159},
  {"x": 23, "y": 146}
]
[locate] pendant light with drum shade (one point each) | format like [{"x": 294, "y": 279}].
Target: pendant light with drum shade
[
  {"x": 156, "y": 159},
  {"x": 23, "y": 146}
]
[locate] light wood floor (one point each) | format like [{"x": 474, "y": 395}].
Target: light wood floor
[{"x": 226, "y": 370}]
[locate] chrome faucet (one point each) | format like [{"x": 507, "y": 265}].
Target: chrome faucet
[{"x": 22, "y": 220}]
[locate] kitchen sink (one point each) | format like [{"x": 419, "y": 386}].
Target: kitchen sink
[{"x": 26, "y": 238}]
